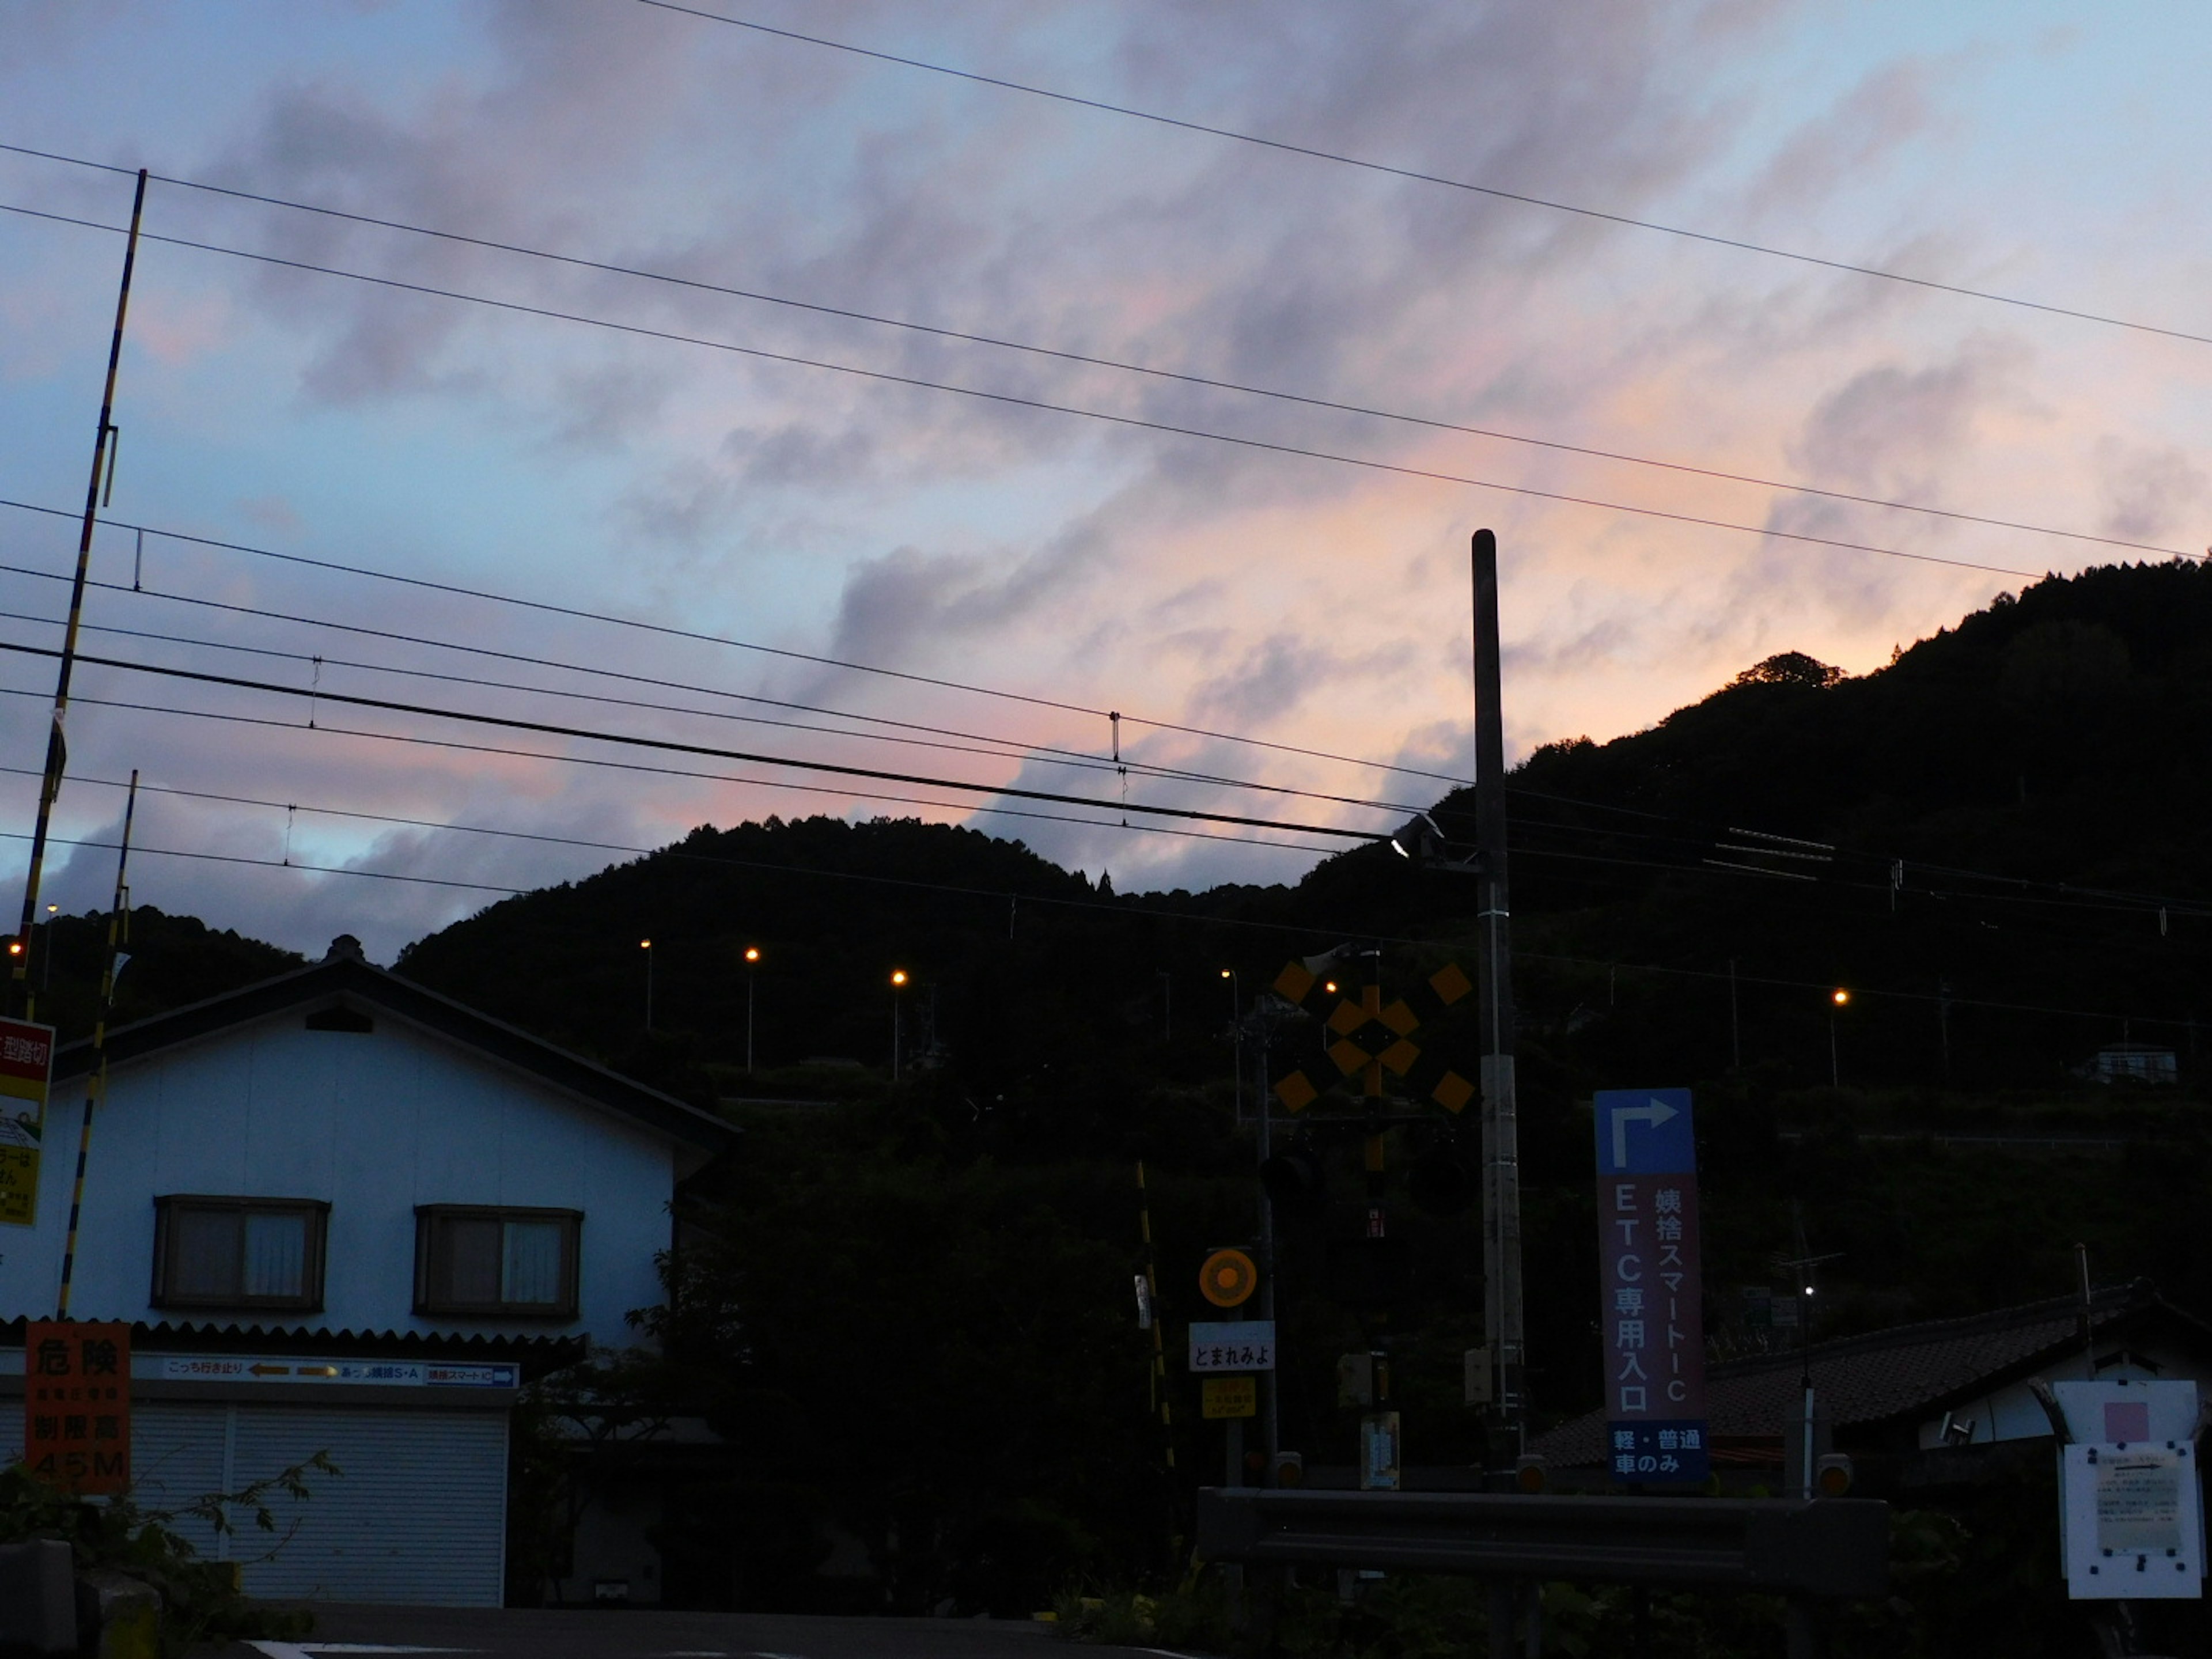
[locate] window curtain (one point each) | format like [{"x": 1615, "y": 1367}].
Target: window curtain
[
  {"x": 532, "y": 1275},
  {"x": 276, "y": 1260}
]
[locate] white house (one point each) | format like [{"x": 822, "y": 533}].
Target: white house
[{"x": 348, "y": 1214}]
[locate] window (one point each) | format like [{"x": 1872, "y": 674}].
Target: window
[
  {"x": 517, "y": 1264},
  {"x": 239, "y": 1251}
]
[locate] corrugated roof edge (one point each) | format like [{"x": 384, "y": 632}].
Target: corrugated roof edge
[{"x": 537, "y": 1356}]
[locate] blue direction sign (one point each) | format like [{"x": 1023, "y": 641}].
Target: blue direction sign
[
  {"x": 1644, "y": 1132},
  {"x": 1651, "y": 1289}
]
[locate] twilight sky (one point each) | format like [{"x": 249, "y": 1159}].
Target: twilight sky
[{"x": 2049, "y": 152}]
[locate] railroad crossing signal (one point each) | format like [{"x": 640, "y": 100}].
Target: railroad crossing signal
[
  {"x": 1228, "y": 1279},
  {"x": 1357, "y": 1051}
]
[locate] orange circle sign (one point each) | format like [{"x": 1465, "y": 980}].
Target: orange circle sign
[{"x": 1228, "y": 1279}]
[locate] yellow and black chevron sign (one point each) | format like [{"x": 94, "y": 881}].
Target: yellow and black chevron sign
[{"x": 1357, "y": 1051}]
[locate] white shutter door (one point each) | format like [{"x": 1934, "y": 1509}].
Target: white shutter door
[
  {"x": 176, "y": 1455},
  {"x": 418, "y": 1514}
]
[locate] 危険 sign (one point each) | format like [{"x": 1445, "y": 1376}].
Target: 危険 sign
[
  {"x": 1650, "y": 1308},
  {"x": 27, "y": 1067},
  {"x": 76, "y": 1405},
  {"x": 1234, "y": 1345}
]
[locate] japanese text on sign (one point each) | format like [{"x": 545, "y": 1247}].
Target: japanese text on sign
[
  {"x": 1650, "y": 1309},
  {"x": 26, "y": 1059},
  {"x": 1230, "y": 1396},
  {"x": 1239, "y": 1345},
  {"x": 76, "y": 1405}
]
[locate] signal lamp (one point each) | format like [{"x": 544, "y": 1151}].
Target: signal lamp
[
  {"x": 1439, "y": 1182},
  {"x": 1290, "y": 1469},
  {"x": 1840, "y": 996},
  {"x": 1532, "y": 1473},
  {"x": 1294, "y": 1179},
  {"x": 14, "y": 947},
  {"x": 1832, "y": 1475}
]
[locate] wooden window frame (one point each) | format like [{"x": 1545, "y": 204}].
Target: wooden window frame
[
  {"x": 428, "y": 1219},
  {"x": 317, "y": 1213}
]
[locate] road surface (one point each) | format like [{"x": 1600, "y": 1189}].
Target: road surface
[{"x": 364, "y": 1632}]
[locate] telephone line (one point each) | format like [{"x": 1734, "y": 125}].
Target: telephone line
[
  {"x": 1414, "y": 175},
  {"x": 1118, "y": 365},
  {"x": 1014, "y": 401},
  {"x": 666, "y": 630},
  {"x": 634, "y": 740},
  {"x": 1299, "y": 929},
  {"x": 1013, "y": 749}
]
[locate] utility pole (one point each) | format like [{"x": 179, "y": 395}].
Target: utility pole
[
  {"x": 1502, "y": 1312},
  {"x": 103, "y": 460},
  {"x": 96, "y": 1088}
]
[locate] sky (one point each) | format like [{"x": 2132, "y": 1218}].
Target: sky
[{"x": 596, "y": 493}]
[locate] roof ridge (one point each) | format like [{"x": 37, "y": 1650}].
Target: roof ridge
[{"x": 2104, "y": 1301}]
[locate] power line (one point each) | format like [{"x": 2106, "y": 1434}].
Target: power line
[
  {"x": 271, "y": 863},
  {"x": 1012, "y": 400},
  {"x": 634, "y": 740},
  {"x": 1011, "y": 749},
  {"x": 1312, "y": 153},
  {"x": 579, "y": 842},
  {"x": 1120, "y": 908},
  {"x": 840, "y": 791},
  {"x": 1089, "y": 360},
  {"x": 2073, "y": 895},
  {"x": 665, "y": 630}
]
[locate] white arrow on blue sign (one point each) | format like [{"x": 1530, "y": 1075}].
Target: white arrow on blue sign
[{"x": 1644, "y": 1132}]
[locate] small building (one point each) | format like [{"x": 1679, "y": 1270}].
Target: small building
[
  {"x": 346, "y": 1214},
  {"x": 2133, "y": 1062},
  {"x": 1918, "y": 1405}
]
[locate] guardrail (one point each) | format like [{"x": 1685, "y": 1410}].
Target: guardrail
[
  {"x": 1830, "y": 1548},
  {"x": 1809, "y": 1550}
]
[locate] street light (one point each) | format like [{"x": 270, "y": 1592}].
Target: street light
[
  {"x": 752, "y": 962},
  {"x": 1237, "y": 1039},
  {"x": 646, "y": 945},
  {"x": 46, "y": 968},
  {"x": 898, "y": 983},
  {"x": 1839, "y": 998}
]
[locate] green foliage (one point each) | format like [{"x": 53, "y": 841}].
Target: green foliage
[{"x": 200, "y": 1599}]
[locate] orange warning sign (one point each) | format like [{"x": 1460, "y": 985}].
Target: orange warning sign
[{"x": 76, "y": 1405}]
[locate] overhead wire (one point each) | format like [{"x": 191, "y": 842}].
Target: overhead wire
[
  {"x": 1093, "y": 361},
  {"x": 1307, "y": 930},
  {"x": 475, "y": 717},
  {"x": 1013, "y": 400},
  {"x": 842, "y": 792},
  {"x": 669, "y": 631},
  {"x": 1010, "y": 749},
  {"x": 1414, "y": 175}
]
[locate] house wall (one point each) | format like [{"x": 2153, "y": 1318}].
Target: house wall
[
  {"x": 374, "y": 1123},
  {"x": 2012, "y": 1412}
]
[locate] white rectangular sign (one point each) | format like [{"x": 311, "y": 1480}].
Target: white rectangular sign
[
  {"x": 2135, "y": 1522},
  {"x": 376, "y": 1373},
  {"x": 1233, "y": 1344}
]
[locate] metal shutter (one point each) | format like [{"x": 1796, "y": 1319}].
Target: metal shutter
[
  {"x": 417, "y": 1515},
  {"x": 177, "y": 1456}
]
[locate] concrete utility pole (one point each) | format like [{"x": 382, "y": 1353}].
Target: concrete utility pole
[{"x": 1502, "y": 1321}]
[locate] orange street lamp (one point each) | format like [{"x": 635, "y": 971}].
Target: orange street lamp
[
  {"x": 752, "y": 962},
  {"x": 898, "y": 983},
  {"x": 1839, "y": 998},
  {"x": 646, "y": 945}
]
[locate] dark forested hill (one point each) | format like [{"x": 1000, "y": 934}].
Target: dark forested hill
[{"x": 1996, "y": 844}]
